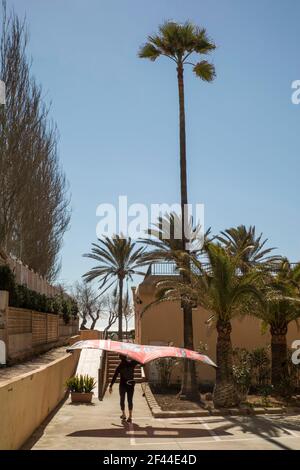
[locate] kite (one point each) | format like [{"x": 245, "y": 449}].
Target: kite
[{"x": 142, "y": 353}]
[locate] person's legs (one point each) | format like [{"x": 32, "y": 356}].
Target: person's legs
[
  {"x": 122, "y": 391},
  {"x": 130, "y": 392}
]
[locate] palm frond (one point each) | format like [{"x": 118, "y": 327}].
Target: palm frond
[{"x": 205, "y": 71}]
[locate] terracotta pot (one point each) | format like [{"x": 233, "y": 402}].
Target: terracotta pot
[{"x": 77, "y": 397}]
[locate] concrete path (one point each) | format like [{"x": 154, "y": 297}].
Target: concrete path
[
  {"x": 88, "y": 363},
  {"x": 98, "y": 426}
]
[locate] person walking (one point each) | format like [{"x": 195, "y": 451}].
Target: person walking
[{"x": 126, "y": 371}]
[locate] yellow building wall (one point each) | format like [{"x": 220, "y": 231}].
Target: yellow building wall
[{"x": 163, "y": 323}]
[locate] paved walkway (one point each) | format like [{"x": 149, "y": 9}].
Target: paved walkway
[
  {"x": 98, "y": 426},
  {"x": 11, "y": 372}
]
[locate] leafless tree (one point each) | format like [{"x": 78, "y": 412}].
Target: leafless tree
[
  {"x": 111, "y": 312},
  {"x": 34, "y": 201},
  {"x": 90, "y": 306},
  {"x": 128, "y": 311},
  {"x": 111, "y": 309}
]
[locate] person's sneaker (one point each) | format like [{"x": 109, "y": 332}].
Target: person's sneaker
[
  {"x": 123, "y": 417},
  {"x": 129, "y": 420}
]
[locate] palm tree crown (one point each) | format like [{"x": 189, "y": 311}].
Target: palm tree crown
[
  {"x": 165, "y": 240},
  {"x": 242, "y": 242},
  {"x": 118, "y": 259},
  {"x": 178, "y": 42}
]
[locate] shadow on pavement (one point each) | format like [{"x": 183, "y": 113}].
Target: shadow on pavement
[
  {"x": 136, "y": 431},
  {"x": 267, "y": 428}
]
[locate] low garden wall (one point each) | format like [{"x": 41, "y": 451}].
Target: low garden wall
[
  {"x": 27, "y": 400},
  {"x": 90, "y": 334},
  {"x": 27, "y": 332}
]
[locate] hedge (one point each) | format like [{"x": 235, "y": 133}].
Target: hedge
[{"x": 22, "y": 297}]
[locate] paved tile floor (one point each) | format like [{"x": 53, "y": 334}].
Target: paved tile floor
[{"x": 98, "y": 426}]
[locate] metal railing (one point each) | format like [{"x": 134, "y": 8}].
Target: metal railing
[
  {"x": 102, "y": 371},
  {"x": 163, "y": 269},
  {"x": 169, "y": 268}
]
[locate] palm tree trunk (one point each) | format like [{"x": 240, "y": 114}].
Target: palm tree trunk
[
  {"x": 279, "y": 359},
  {"x": 120, "y": 310},
  {"x": 225, "y": 394},
  {"x": 182, "y": 143},
  {"x": 189, "y": 387}
]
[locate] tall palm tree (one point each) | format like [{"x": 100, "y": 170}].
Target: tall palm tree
[
  {"x": 118, "y": 260},
  {"x": 179, "y": 42},
  {"x": 282, "y": 292},
  {"x": 243, "y": 242},
  {"x": 223, "y": 290}
]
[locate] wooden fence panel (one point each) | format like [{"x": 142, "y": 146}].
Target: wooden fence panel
[
  {"x": 19, "y": 321},
  {"x": 52, "y": 327},
  {"x": 39, "y": 328}
]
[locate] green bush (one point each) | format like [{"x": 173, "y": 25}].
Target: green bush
[
  {"x": 165, "y": 366},
  {"x": 260, "y": 366},
  {"x": 81, "y": 384},
  {"x": 7, "y": 279},
  {"x": 22, "y": 297},
  {"x": 242, "y": 372}
]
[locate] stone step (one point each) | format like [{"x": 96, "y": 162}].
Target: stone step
[{"x": 113, "y": 361}]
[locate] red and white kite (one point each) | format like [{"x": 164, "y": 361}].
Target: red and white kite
[{"x": 142, "y": 353}]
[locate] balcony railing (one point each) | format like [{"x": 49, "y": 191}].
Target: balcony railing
[
  {"x": 168, "y": 268},
  {"x": 163, "y": 269}
]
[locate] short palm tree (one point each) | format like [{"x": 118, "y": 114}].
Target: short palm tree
[
  {"x": 165, "y": 242},
  {"x": 242, "y": 242},
  {"x": 118, "y": 260},
  {"x": 179, "y": 42},
  {"x": 282, "y": 306},
  {"x": 165, "y": 245},
  {"x": 227, "y": 293}
]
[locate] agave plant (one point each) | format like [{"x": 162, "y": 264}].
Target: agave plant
[{"x": 81, "y": 384}]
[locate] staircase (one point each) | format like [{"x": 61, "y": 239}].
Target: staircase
[{"x": 113, "y": 361}]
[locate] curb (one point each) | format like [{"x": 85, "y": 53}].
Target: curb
[{"x": 157, "y": 412}]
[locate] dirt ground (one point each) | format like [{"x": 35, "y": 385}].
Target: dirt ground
[
  {"x": 170, "y": 402},
  {"x": 10, "y": 372}
]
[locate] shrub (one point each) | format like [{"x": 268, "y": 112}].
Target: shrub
[
  {"x": 260, "y": 366},
  {"x": 22, "y": 297},
  {"x": 165, "y": 366},
  {"x": 7, "y": 279},
  {"x": 293, "y": 371},
  {"x": 252, "y": 369},
  {"x": 242, "y": 371}
]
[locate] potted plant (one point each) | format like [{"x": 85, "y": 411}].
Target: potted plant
[{"x": 81, "y": 388}]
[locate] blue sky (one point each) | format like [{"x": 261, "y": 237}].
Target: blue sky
[{"x": 118, "y": 121}]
